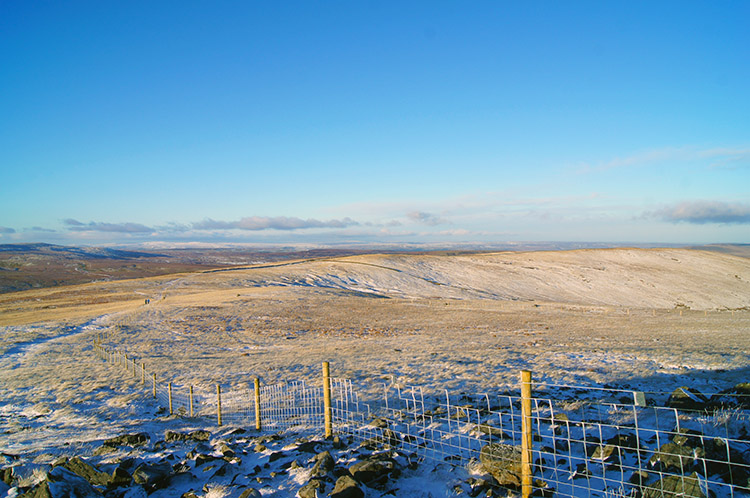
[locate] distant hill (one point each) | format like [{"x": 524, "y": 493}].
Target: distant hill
[{"x": 38, "y": 265}]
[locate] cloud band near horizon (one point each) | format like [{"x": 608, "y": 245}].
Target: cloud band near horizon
[{"x": 704, "y": 212}]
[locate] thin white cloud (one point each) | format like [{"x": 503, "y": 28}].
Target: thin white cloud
[
  {"x": 95, "y": 226},
  {"x": 719, "y": 157},
  {"x": 426, "y": 218},
  {"x": 256, "y": 223},
  {"x": 7, "y": 230},
  {"x": 703, "y": 212}
]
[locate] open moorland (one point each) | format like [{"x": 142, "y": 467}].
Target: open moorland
[{"x": 647, "y": 319}]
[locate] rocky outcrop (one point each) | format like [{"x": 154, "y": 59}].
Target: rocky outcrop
[
  {"x": 686, "y": 398},
  {"x": 503, "y": 462}
]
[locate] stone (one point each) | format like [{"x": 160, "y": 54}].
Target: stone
[
  {"x": 41, "y": 490},
  {"x": 153, "y": 476},
  {"x": 374, "y": 470},
  {"x": 127, "y": 440},
  {"x": 324, "y": 463},
  {"x": 63, "y": 483},
  {"x": 675, "y": 456},
  {"x": 199, "y": 435},
  {"x": 87, "y": 471},
  {"x": 735, "y": 397},
  {"x": 674, "y": 487},
  {"x": 202, "y": 458},
  {"x": 120, "y": 477},
  {"x": 503, "y": 462},
  {"x": 492, "y": 431},
  {"x": 379, "y": 423},
  {"x": 685, "y": 398},
  {"x": 309, "y": 446},
  {"x": 172, "y": 436},
  {"x": 250, "y": 493},
  {"x": 312, "y": 489},
  {"x": 625, "y": 441},
  {"x": 6, "y": 475},
  {"x": 346, "y": 487},
  {"x": 605, "y": 453},
  {"x": 225, "y": 450}
]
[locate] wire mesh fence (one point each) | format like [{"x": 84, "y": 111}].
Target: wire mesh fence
[{"x": 579, "y": 447}]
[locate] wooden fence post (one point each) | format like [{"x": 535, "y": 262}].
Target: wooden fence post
[
  {"x": 218, "y": 403},
  {"x": 153, "y": 376},
  {"x": 191, "y": 402},
  {"x": 143, "y": 373},
  {"x": 125, "y": 361},
  {"x": 257, "y": 404},
  {"x": 526, "y": 455},
  {"x": 169, "y": 390},
  {"x": 327, "y": 399},
  {"x": 134, "y": 365}
]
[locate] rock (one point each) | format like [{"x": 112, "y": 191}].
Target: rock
[
  {"x": 309, "y": 446},
  {"x": 685, "y": 398},
  {"x": 346, "y": 487},
  {"x": 6, "y": 475},
  {"x": 503, "y": 461},
  {"x": 337, "y": 444},
  {"x": 729, "y": 463},
  {"x": 375, "y": 470},
  {"x": 87, "y": 471},
  {"x": 674, "y": 487},
  {"x": 199, "y": 435},
  {"x": 379, "y": 423},
  {"x": 172, "y": 436},
  {"x": 62, "y": 483},
  {"x": 200, "y": 448},
  {"x": 188, "y": 494},
  {"x": 127, "y": 440},
  {"x": 626, "y": 441},
  {"x": 675, "y": 456},
  {"x": 492, "y": 431},
  {"x": 4, "y": 488},
  {"x": 41, "y": 490},
  {"x": 225, "y": 450},
  {"x": 153, "y": 476},
  {"x": 312, "y": 489},
  {"x": 324, "y": 463},
  {"x": 202, "y": 458},
  {"x": 479, "y": 486},
  {"x": 260, "y": 448},
  {"x": 606, "y": 453},
  {"x": 735, "y": 397},
  {"x": 250, "y": 493},
  {"x": 120, "y": 477}
]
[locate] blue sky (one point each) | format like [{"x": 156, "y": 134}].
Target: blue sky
[{"x": 374, "y": 122}]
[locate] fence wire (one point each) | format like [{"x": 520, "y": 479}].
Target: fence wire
[{"x": 579, "y": 447}]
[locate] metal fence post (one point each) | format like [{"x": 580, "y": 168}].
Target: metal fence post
[
  {"x": 257, "y": 404},
  {"x": 327, "y": 399},
  {"x": 526, "y": 455},
  {"x": 218, "y": 403}
]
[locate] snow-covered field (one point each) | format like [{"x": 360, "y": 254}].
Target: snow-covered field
[{"x": 648, "y": 320}]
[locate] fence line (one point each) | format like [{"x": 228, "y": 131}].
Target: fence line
[{"x": 528, "y": 443}]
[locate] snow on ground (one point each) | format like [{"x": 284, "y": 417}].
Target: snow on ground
[{"x": 643, "y": 319}]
